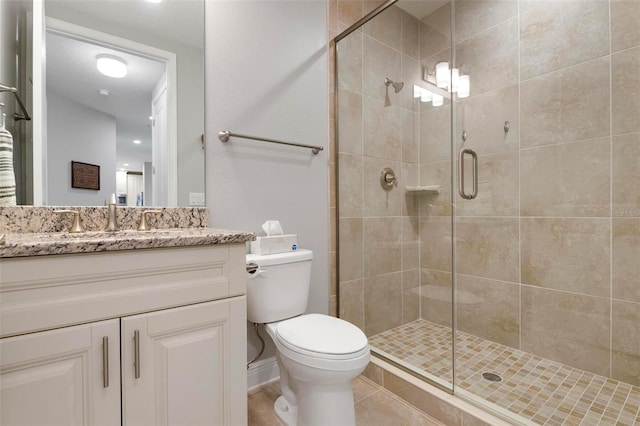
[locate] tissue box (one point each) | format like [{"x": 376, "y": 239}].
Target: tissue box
[{"x": 274, "y": 244}]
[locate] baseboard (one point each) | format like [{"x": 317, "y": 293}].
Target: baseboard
[{"x": 262, "y": 372}]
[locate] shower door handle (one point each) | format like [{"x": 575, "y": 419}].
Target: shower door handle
[{"x": 474, "y": 169}]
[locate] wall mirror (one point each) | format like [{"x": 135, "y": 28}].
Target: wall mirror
[{"x": 144, "y": 129}]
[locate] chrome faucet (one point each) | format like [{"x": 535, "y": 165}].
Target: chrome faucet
[
  {"x": 76, "y": 226},
  {"x": 112, "y": 219}
]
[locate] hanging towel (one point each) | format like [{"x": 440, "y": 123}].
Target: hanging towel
[{"x": 7, "y": 176}]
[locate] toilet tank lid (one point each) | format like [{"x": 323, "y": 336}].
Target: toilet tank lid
[{"x": 280, "y": 258}]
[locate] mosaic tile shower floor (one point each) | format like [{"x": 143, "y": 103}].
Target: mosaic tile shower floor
[{"x": 537, "y": 389}]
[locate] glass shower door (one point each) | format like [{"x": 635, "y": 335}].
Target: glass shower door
[
  {"x": 394, "y": 244},
  {"x": 546, "y": 325},
  {"x": 486, "y": 195}
]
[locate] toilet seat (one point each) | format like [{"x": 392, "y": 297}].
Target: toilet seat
[{"x": 320, "y": 336}]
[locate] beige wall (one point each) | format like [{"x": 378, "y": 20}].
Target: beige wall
[{"x": 547, "y": 255}]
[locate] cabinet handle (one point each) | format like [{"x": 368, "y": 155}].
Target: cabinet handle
[
  {"x": 105, "y": 362},
  {"x": 136, "y": 344}
]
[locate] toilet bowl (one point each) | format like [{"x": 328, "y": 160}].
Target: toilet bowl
[
  {"x": 318, "y": 355},
  {"x": 320, "y": 367}
]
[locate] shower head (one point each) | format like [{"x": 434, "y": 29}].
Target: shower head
[{"x": 397, "y": 86}]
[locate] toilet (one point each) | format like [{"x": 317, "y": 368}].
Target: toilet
[{"x": 318, "y": 355}]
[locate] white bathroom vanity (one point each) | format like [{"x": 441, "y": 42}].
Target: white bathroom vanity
[{"x": 134, "y": 334}]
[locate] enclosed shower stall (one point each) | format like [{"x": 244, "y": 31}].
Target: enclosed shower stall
[{"x": 489, "y": 200}]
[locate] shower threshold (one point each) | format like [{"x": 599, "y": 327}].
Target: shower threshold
[{"x": 534, "y": 389}]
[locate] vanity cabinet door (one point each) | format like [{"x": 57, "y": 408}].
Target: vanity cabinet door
[
  {"x": 59, "y": 376},
  {"x": 185, "y": 365}
]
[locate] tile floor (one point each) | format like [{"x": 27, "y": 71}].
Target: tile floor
[
  {"x": 375, "y": 406},
  {"x": 537, "y": 389}
]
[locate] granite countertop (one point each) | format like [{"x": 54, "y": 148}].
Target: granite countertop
[{"x": 42, "y": 244}]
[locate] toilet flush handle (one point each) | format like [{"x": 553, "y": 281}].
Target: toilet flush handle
[
  {"x": 254, "y": 270},
  {"x": 252, "y": 267}
]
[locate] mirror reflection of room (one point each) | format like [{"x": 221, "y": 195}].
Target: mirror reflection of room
[
  {"x": 101, "y": 104},
  {"x": 50, "y": 50},
  {"x": 7, "y": 174}
]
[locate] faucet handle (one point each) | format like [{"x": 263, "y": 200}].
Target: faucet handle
[
  {"x": 144, "y": 226},
  {"x": 76, "y": 226}
]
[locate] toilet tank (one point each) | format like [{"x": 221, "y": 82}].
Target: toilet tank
[{"x": 279, "y": 287}]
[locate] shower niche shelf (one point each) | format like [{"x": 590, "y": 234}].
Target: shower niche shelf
[{"x": 424, "y": 189}]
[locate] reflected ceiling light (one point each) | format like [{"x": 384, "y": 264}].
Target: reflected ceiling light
[
  {"x": 455, "y": 80},
  {"x": 137, "y": 142},
  {"x": 126, "y": 164},
  {"x": 104, "y": 92},
  {"x": 464, "y": 86},
  {"x": 111, "y": 66},
  {"x": 449, "y": 79},
  {"x": 425, "y": 96},
  {"x": 437, "y": 100}
]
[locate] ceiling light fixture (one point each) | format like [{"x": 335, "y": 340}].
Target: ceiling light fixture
[
  {"x": 451, "y": 80},
  {"x": 137, "y": 142},
  {"x": 448, "y": 80},
  {"x": 111, "y": 66},
  {"x": 442, "y": 75}
]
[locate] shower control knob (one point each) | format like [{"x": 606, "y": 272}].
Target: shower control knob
[{"x": 387, "y": 178}]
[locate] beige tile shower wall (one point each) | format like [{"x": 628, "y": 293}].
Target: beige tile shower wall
[
  {"x": 558, "y": 193},
  {"x": 548, "y": 254},
  {"x": 378, "y": 230}
]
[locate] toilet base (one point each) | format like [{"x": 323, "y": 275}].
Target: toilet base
[
  {"x": 316, "y": 389},
  {"x": 287, "y": 413},
  {"x": 322, "y": 405},
  {"x": 332, "y": 405}
]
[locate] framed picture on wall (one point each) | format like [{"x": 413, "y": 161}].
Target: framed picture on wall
[{"x": 85, "y": 176}]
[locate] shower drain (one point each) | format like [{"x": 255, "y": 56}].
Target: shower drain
[{"x": 492, "y": 377}]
